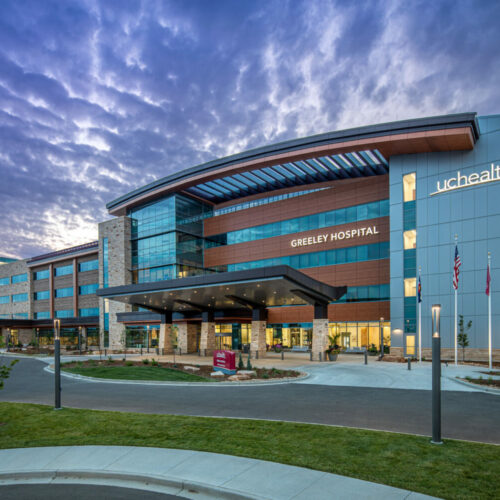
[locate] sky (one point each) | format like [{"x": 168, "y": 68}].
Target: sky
[{"x": 98, "y": 98}]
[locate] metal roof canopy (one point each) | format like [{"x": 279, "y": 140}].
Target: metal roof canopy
[
  {"x": 269, "y": 175},
  {"x": 252, "y": 288}
]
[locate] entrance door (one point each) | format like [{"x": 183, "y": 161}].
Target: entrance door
[{"x": 410, "y": 350}]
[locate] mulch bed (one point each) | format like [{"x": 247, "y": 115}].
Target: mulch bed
[
  {"x": 485, "y": 381},
  {"x": 204, "y": 370}
]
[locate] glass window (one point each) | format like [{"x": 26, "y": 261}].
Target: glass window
[
  {"x": 409, "y": 191},
  {"x": 64, "y": 270},
  {"x": 88, "y": 289},
  {"x": 5, "y": 299},
  {"x": 42, "y": 315},
  {"x": 88, "y": 311},
  {"x": 64, "y": 292},
  {"x": 105, "y": 262},
  {"x": 64, "y": 313},
  {"x": 19, "y": 278},
  {"x": 45, "y": 294},
  {"x": 20, "y": 297},
  {"x": 20, "y": 316},
  {"x": 410, "y": 239},
  {"x": 90, "y": 265},
  {"x": 5, "y": 281},
  {"x": 410, "y": 285},
  {"x": 41, "y": 275}
]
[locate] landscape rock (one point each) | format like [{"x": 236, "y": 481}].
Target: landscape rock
[
  {"x": 247, "y": 372},
  {"x": 192, "y": 368},
  {"x": 217, "y": 374},
  {"x": 238, "y": 377}
]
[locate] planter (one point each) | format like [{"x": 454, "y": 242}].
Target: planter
[{"x": 332, "y": 357}]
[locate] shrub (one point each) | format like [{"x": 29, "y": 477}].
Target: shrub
[
  {"x": 110, "y": 360},
  {"x": 265, "y": 375},
  {"x": 241, "y": 365},
  {"x": 154, "y": 362},
  {"x": 145, "y": 361},
  {"x": 249, "y": 364},
  {"x": 129, "y": 363}
]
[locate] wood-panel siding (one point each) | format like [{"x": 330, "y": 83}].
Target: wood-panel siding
[
  {"x": 280, "y": 246},
  {"x": 352, "y": 311},
  {"x": 342, "y": 194}
]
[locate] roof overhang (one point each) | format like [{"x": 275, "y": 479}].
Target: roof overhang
[
  {"x": 253, "y": 288},
  {"x": 435, "y": 134}
]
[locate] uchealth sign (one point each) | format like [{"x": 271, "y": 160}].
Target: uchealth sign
[
  {"x": 461, "y": 181},
  {"x": 337, "y": 236}
]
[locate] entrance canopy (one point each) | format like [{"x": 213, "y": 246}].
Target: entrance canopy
[{"x": 254, "y": 288}]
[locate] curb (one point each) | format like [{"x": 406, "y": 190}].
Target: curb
[
  {"x": 150, "y": 482},
  {"x": 478, "y": 387},
  {"x": 249, "y": 383}
]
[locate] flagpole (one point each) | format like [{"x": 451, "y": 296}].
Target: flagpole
[
  {"x": 419, "y": 321},
  {"x": 456, "y": 344},
  {"x": 489, "y": 315}
]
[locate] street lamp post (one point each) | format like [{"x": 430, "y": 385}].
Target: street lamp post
[
  {"x": 381, "y": 338},
  {"x": 80, "y": 340},
  {"x": 147, "y": 340},
  {"x": 436, "y": 375},
  {"x": 8, "y": 339},
  {"x": 57, "y": 363}
]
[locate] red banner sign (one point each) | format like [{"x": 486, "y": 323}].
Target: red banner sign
[{"x": 225, "y": 361}]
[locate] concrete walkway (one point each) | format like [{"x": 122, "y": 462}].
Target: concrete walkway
[{"x": 189, "y": 474}]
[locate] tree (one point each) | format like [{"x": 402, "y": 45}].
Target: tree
[
  {"x": 5, "y": 371},
  {"x": 462, "y": 339}
]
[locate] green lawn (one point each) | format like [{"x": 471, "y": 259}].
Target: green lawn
[
  {"x": 135, "y": 373},
  {"x": 454, "y": 470}
]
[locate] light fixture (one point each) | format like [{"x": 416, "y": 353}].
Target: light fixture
[
  {"x": 436, "y": 314},
  {"x": 57, "y": 327}
]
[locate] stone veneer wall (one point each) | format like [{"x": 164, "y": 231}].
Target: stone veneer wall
[
  {"x": 118, "y": 232},
  {"x": 471, "y": 354},
  {"x": 11, "y": 269},
  {"x": 186, "y": 337},
  {"x": 258, "y": 338},
  {"x": 319, "y": 338}
]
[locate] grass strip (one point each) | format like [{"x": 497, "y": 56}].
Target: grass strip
[
  {"x": 135, "y": 373},
  {"x": 454, "y": 470}
]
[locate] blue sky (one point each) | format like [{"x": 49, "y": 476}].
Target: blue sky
[{"x": 100, "y": 97}]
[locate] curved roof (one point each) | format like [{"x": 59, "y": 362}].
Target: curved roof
[{"x": 347, "y": 153}]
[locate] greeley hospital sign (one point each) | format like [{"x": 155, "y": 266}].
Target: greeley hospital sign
[
  {"x": 464, "y": 181},
  {"x": 339, "y": 235}
]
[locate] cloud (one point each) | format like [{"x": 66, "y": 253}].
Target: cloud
[{"x": 100, "y": 97}]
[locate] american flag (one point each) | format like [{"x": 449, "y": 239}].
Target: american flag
[
  {"x": 456, "y": 268},
  {"x": 419, "y": 290}
]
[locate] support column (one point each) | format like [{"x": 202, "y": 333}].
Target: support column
[
  {"x": 83, "y": 337},
  {"x": 186, "y": 337},
  {"x": 258, "y": 339},
  {"x": 166, "y": 340},
  {"x": 320, "y": 332},
  {"x": 207, "y": 340}
]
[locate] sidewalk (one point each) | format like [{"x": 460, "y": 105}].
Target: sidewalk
[{"x": 191, "y": 474}]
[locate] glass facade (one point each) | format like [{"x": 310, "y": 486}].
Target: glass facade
[
  {"x": 4, "y": 281},
  {"x": 44, "y": 295},
  {"x": 63, "y": 292},
  {"x": 88, "y": 289},
  {"x": 90, "y": 265},
  {"x": 41, "y": 275},
  {"x": 88, "y": 311},
  {"x": 263, "y": 201},
  {"x": 105, "y": 263},
  {"x": 410, "y": 251},
  {"x": 19, "y": 278},
  {"x": 64, "y": 313},
  {"x": 63, "y": 270},
  {"x": 42, "y": 315},
  {"x": 167, "y": 238},
  {"x": 316, "y": 221},
  {"x": 360, "y": 253},
  {"x": 142, "y": 336},
  {"x": 5, "y": 299},
  {"x": 20, "y": 297}
]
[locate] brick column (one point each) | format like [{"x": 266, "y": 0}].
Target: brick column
[
  {"x": 186, "y": 337},
  {"x": 207, "y": 340},
  {"x": 258, "y": 339},
  {"x": 165, "y": 341},
  {"x": 320, "y": 331}
]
